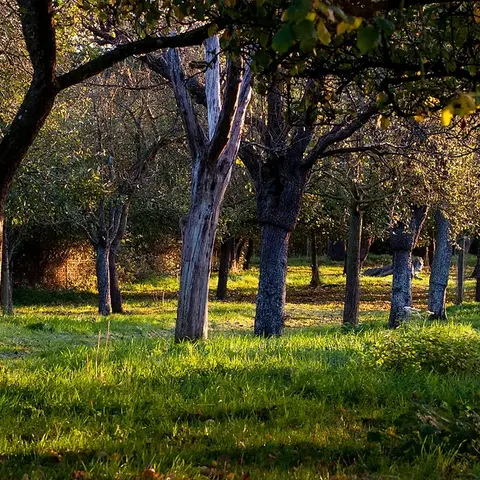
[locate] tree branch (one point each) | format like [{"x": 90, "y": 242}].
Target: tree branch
[
  {"x": 195, "y": 134},
  {"x": 224, "y": 124},
  {"x": 337, "y": 134},
  {"x": 121, "y": 52}
]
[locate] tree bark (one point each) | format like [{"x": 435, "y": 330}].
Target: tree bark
[
  {"x": 440, "y": 268},
  {"x": 403, "y": 239},
  {"x": 270, "y": 312},
  {"x": 115, "y": 292},
  {"x": 213, "y": 159},
  {"x": 352, "y": 288},
  {"x": 315, "y": 281},
  {"x": 337, "y": 251},
  {"x": 103, "y": 279},
  {"x": 238, "y": 252},
  {"x": 365, "y": 245},
  {"x": 476, "y": 273},
  {"x": 460, "y": 270},
  {"x": 198, "y": 239},
  {"x": 248, "y": 254},
  {"x": 225, "y": 252},
  {"x": 7, "y": 300}
]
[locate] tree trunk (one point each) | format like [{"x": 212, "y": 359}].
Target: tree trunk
[
  {"x": 270, "y": 312},
  {"x": 460, "y": 270},
  {"x": 402, "y": 240},
  {"x": 198, "y": 239},
  {"x": 315, "y": 281},
  {"x": 476, "y": 274},
  {"x": 352, "y": 289},
  {"x": 238, "y": 252},
  {"x": 366, "y": 243},
  {"x": 7, "y": 301},
  {"x": 115, "y": 293},
  {"x": 401, "y": 287},
  {"x": 103, "y": 279},
  {"x": 225, "y": 248},
  {"x": 440, "y": 268},
  {"x": 248, "y": 254},
  {"x": 337, "y": 251}
]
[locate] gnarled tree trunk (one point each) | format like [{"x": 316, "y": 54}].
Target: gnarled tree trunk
[
  {"x": 440, "y": 268},
  {"x": 352, "y": 287},
  {"x": 403, "y": 239}
]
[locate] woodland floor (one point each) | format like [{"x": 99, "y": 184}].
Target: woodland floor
[{"x": 86, "y": 397}]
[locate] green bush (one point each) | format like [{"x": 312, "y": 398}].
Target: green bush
[{"x": 439, "y": 349}]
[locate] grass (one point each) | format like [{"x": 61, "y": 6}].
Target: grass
[{"x": 87, "y": 397}]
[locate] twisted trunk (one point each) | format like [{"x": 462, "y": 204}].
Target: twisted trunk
[
  {"x": 103, "y": 278},
  {"x": 440, "y": 268},
  {"x": 315, "y": 281},
  {"x": 403, "y": 239},
  {"x": 352, "y": 288}
]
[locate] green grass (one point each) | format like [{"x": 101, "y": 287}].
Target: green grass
[{"x": 86, "y": 397}]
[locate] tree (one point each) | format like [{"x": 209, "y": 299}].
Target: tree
[
  {"x": 279, "y": 154},
  {"x": 39, "y": 22},
  {"x": 212, "y": 157}
]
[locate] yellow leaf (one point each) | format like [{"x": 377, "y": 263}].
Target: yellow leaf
[
  {"x": 353, "y": 24},
  {"x": 476, "y": 13},
  {"x": 357, "y": 22},
  {"x": 311, "y": 16},
  {"x": 447, "y": 115},
  {"x": 467, "y": 104},
  {"x": 383, "y": 122},
  {"x": 419, "y": 117},
  {"x": 342, "y": 27},
  {"x": 323, "y": 34}
]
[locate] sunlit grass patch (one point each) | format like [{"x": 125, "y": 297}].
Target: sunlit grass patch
[{"x": 116, "y": 398}]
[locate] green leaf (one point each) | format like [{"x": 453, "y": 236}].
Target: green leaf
[
  {"x": 283, "y": 39},
  {"x": 307, "y": 35},
  {"x": 368, "y": 38}
]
